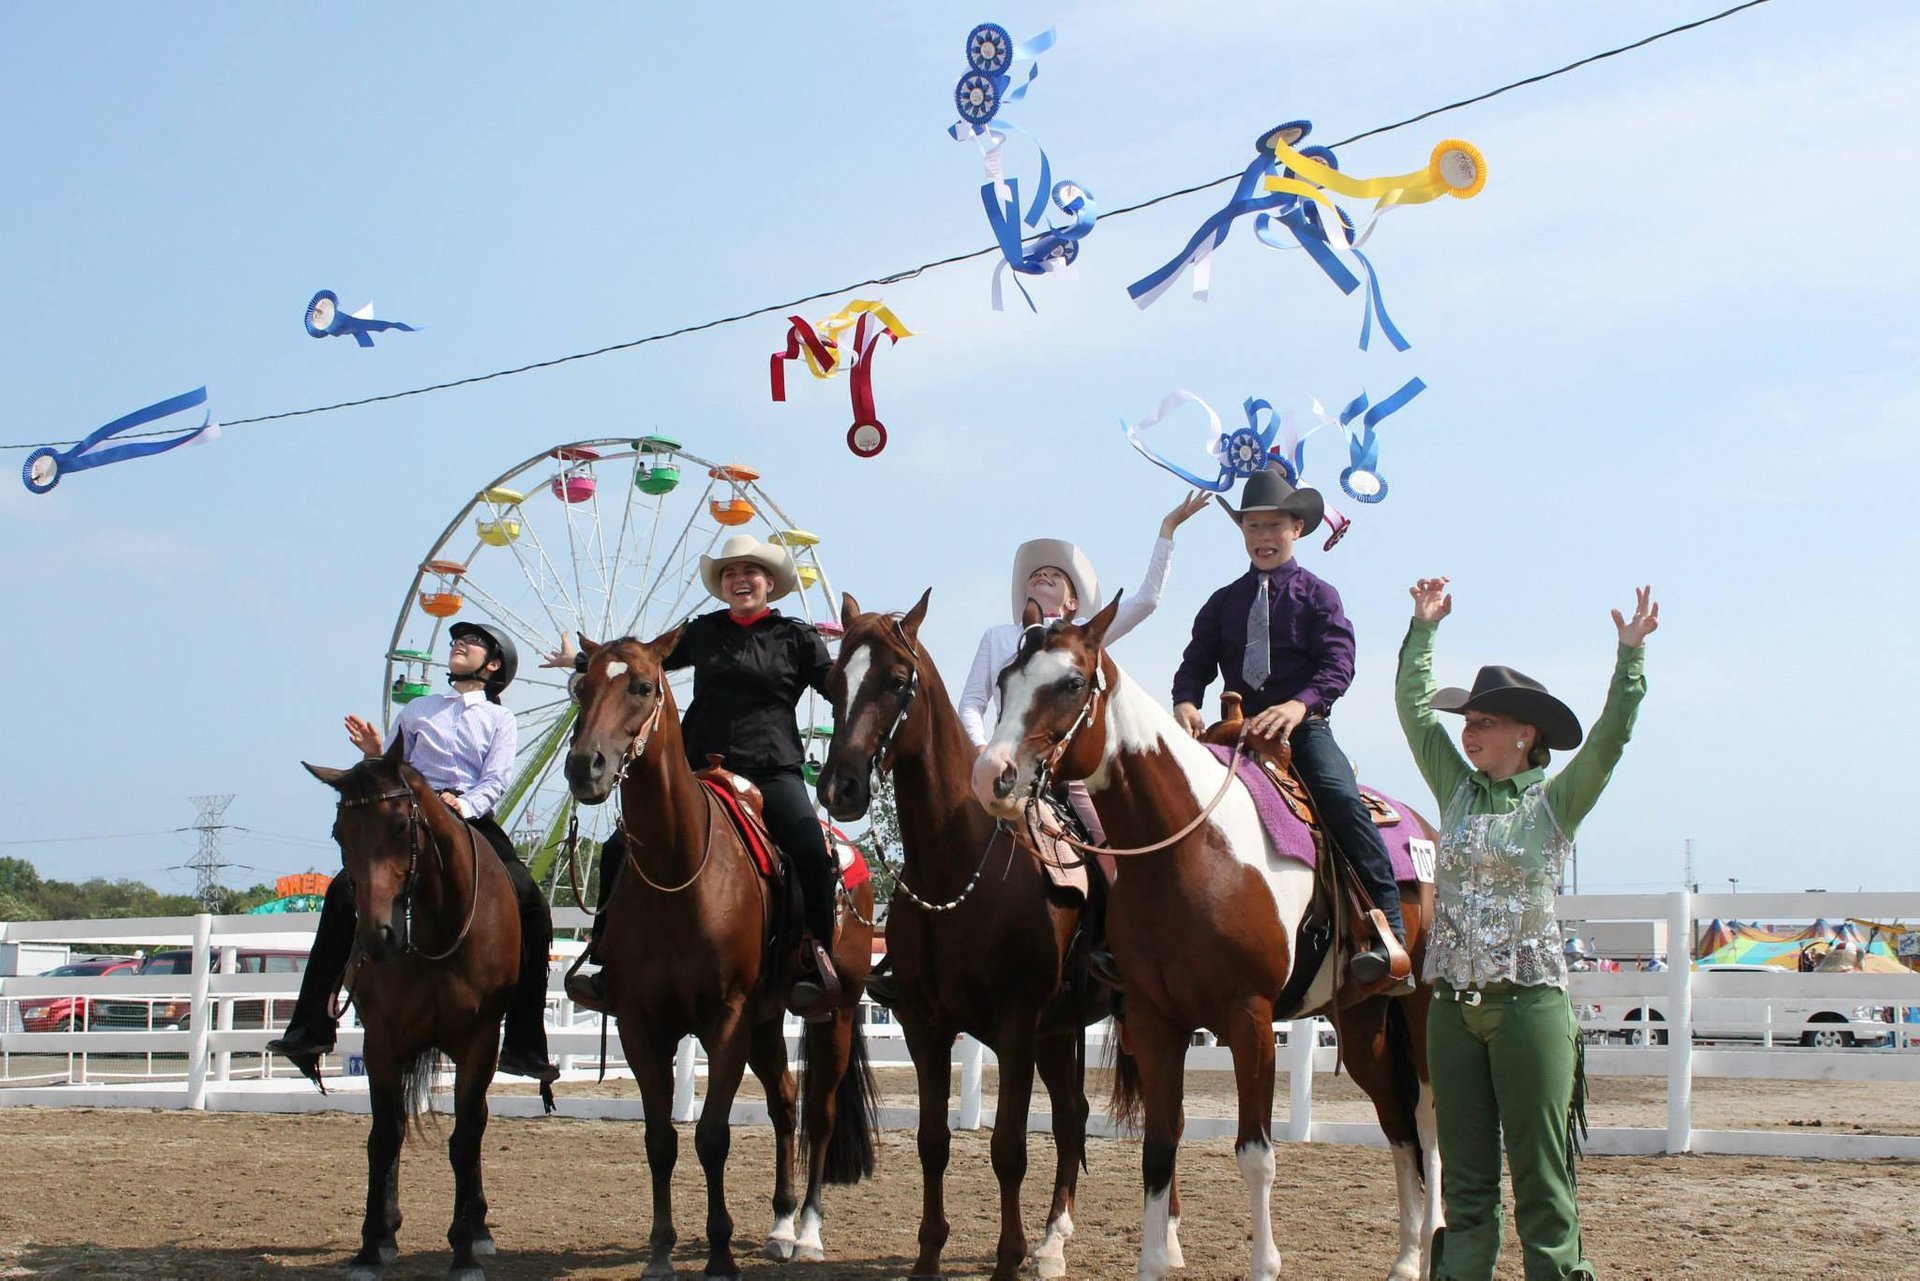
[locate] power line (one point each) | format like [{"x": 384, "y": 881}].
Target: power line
[
  {"x": 911, "y": 272},
  {"x": 109, "y": 836}
]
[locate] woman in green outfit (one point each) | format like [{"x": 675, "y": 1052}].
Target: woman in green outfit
[{"x": 1503, "y": 1046}]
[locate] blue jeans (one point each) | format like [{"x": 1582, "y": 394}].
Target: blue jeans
[{"x": 1344, "y": 817}]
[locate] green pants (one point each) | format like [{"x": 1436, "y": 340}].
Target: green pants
[{"x": 1506, "y": 1068}]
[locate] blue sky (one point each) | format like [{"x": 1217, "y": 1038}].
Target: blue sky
[{"x": 1670, "y": 343}]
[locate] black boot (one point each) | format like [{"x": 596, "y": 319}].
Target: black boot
[
  {"x": 883, "y": 989},
  {"x": 1103, "y": 967},
  {"x": 815, "y": 999}
]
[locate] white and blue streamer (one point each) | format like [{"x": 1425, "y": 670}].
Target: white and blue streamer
[{"x": 45, "y": 466}]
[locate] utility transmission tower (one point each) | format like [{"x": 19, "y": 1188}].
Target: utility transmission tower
[{"x": 206, "y": 862}]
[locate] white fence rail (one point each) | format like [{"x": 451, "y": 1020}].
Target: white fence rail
[{"x": 194, "y": 1067}]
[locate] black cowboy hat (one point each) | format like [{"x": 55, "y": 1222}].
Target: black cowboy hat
[
  {"x": 1505, "y": 692},
  {"x": 1267, "y": 490}
]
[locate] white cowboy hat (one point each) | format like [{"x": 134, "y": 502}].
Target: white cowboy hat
[
  {"x": 1066, "y": 558},
  {"x": 774, "y": 560}
]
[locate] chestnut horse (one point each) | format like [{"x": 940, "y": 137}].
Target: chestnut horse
[
  {"x": 689, "y": 950},
  {"x": 439, "y": 949},
  {"x": 978, "y": 942},
  {"x": 1206, "y": 930}
]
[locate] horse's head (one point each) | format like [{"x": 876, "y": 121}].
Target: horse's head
[
  {"x": 1051, "y": 698},
  {"x": 622, "y": 696},
  {"x": 381, "y": 825},
  {"x": 873, "y": 688}
]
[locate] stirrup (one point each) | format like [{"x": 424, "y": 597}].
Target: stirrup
[
  {"x": 1101, "y": 965},
  {"x": 817, "y": 998},
  {"x": 588, "y": 991}
]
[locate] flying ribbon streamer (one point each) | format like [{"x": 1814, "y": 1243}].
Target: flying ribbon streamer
[
  {"x": 1055, "y": 250},
  {"x": 45, "y": 466},
  {"x": 1362, "y": 479},
  {"x": 1238, "y": 453},
  {"x": 325, "y": 319},
  {"x": 826, "y": 355},
  {"x": 1455, "y": 168}
]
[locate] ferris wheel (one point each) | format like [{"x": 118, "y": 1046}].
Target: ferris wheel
[{"x": 596, "y": 536}]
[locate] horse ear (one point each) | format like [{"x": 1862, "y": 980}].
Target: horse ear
[
  {"x": 917, "y": 615},
  {"x": 1097, "y": 625},
  {"x": 587, "y": 647},
  {"x": 326, "y": 774},
  {"x": 663, "y": 645},
  {"x": 849, "y": 610},
  {"x": 396, "y": 755},
  {"x": 1030, "y": 616}
]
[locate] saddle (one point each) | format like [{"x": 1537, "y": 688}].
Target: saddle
[
  {"x": 743, "y": 804},
  {"x": 1337, "y": 882}
]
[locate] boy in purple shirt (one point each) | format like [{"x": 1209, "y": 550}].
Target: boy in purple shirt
[{"x": 1279, "y": 638}]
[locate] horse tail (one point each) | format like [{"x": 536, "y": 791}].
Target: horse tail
[
  {"x": 856, "y": 1108},
  {"x": 416, "y": 1088},
  {"x": 1127, "y": 1102},
  {"x": 1406, "y": 1073}
]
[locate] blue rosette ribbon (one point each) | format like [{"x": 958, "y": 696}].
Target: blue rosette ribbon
[
  {"x": 325, "y": 318},
  {"x": 1362, "y": 480},
  {"x": 1055, "y": 249},
  {"x": 988, "y": 84},
  {"x": 1305, "y": 223},
  {"x": 1237, "y": 454},
  {"x": 45, "y": 466}
]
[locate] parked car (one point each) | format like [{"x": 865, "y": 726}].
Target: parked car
[
  {"x": 70, "y": 1013},
  {"x": 1809, "y": 1020},
  {"x": 171, "y": 1014}
]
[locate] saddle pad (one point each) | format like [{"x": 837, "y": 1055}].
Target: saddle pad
[
  {"x": 1293, "y": 839},
  {"x": 750, "y": 833},
  {"x": 852, "y": 861},
  {"x": 1063, "y": 865}
]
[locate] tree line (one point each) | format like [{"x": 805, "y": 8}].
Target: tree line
[{"x": 27, "y": 896}]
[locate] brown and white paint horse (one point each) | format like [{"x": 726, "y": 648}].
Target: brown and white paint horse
[
  {"x": 987, "y": 956},
  {"x": 687, "y": 952},
  {"x": 1205, "y": 931}
]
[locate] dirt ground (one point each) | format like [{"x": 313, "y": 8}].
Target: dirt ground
[{"x": 93, "y": 1193}]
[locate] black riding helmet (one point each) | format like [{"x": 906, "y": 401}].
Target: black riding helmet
[{"x": 499, "y": 645}]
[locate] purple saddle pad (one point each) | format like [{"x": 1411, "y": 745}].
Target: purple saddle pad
[{"x": 1293, "y": 839}]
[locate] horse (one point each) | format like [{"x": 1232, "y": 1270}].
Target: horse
[
  {"x": 1205, "y": 924},
  {"x": 978, "y": 940},
  {"x": 438, "y": 940},
  {"x": 690, "y": 949}
]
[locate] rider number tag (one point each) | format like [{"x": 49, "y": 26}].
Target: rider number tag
[{"x": 1422, "y": 853}]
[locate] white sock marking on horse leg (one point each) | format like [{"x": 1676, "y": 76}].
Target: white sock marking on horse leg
[
  {"x": 1429, "y": 1127},
  {"x": 1153, "y": 1237},
  {"x": 1256, "y": 1169},
  {"x": 1050, "y": 1260},
  {"x": 1176, "y": 1257},
  {"x": 1413, "y": 1213},
  {"x": 807, "y": 1245},
  {"x": 779, "y": 1244}
]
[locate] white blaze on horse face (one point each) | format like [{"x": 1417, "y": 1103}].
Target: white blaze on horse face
[
  {"x": 616, "y": 668},
  {"x": 858, "y": 664},
  {"x": 1256, "y": 1170},
  {"x": 1009, "y": 744}
]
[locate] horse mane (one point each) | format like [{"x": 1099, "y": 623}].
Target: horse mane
[{"x": 372, "y": 775}]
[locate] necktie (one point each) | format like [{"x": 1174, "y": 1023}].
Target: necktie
[{"x": 1258, "y": 661}]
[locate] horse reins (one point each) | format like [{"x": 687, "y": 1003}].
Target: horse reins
[{"x": 415, "y": 822}]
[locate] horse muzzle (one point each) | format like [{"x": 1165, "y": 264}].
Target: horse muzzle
[
  {"x": 379, "y": 941},
  {"x": 845, "y": 793},
  {"x": 996, "y": 780},
  {"x": 590, "y": 775}
]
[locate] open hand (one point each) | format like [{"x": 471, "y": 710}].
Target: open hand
[
  {"x": 1190, "y": 719},
  {"x": 363, "y": 735},
  {"x": 1277, "y": 723},
  {"x": 1181, "y": 514},
  {"x": 562, "y": 657},
  {"x": 1645, "y": 621},
  {"x": 1431, "y": 599}
]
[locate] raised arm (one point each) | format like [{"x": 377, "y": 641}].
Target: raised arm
[
  {"x": 977, "y": 693},
  {"x": 1136, "y": 606},
  {"x": 1440, "y": 762},
  {"x": 1574, "y": 790}
]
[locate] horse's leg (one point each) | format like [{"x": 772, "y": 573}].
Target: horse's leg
[
  {"x": 1015, "y": 1051},
  {"x": 713, "y": 1135},
  {"x": 1176, "y": 1257},
  {"x": 767, "y": 1056},
  {"x": 473, "y": 1072},
  {"x": 1159, "y": 1053},
  {"x": 1249, "y": 1034},
  {"x": 931, "y": 1048},
  {"x": 650, "y": 1055},
  {"x": 381, "y": 1223},
  {"x": 1058, "y": 1059},
  {"x": 829, "y": 1051},
  {"x": 1379, "y": 1058},
  {"x": 1417, "y": 1008}
]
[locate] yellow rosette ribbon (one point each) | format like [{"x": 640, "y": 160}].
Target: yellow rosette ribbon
[
  {"x": 1455, "y": 169},
  {"x": 846, "y": 318}
]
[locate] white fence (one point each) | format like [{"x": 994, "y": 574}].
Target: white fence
[{"x": 197, "y": 1067}]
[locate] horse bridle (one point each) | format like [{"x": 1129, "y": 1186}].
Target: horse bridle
[
  {"x": 1044, "y": 768},
  {"x": 415, "y": 822},
  {"x": 881, "y": 762}
]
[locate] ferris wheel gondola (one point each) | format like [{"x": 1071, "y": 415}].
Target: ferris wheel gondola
[{"x": 601, "y": 537}]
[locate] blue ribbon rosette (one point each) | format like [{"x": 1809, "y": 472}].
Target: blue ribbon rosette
[
  {"x": 988, "y": 84},
  {"x": 1055, "y": 249},
  {"x": 1238, "y": 454},
  {"x": 326, "y": 319},
  {"x": 45, "y": 466},
  {"x": 1362, "y": 479}
]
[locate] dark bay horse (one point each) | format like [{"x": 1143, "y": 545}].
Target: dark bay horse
[
  {"x": 689, "y": 950},
  {"x": 979, "y": 943},
  {"x": 1206, "y": 931},
  {"x": 439, "y": 946}
]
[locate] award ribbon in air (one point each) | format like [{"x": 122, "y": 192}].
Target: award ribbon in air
[
  {"x": 326, "y": 319},
  {"x": 828, "y": 347},
  {"x": 45, "y": 466},
  {"x": 1362, "y": 480}
]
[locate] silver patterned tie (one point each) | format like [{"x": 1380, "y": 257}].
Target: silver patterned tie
[{"x": 1257, "y": 664}]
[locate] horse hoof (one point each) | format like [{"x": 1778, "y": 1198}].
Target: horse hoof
[
  {"x": 472, "y": 1272},
  {"x": 484, "y": 1247},
  {"x": 809, "y": 1254},
  {"x": 1051, "y": 1265},
  {"x": 778, "y": 1249},
  {"x": 389, "y": 1252},
  {"x": 363, "y": 1272},
  {"x": 657, "y": 1269}
]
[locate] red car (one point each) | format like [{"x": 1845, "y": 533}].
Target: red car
[{"x": 70, "y": 1013}]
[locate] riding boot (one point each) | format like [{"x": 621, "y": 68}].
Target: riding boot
[
  {"x": 523, "y": 1051},
  {"x": 589, "y": 991},
  {"x": 883, "y": 988},
  {"x": 310, "y": 1031},
  {"x": 1346, "y": 820},
  {"x": 816, "y": 999}
]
